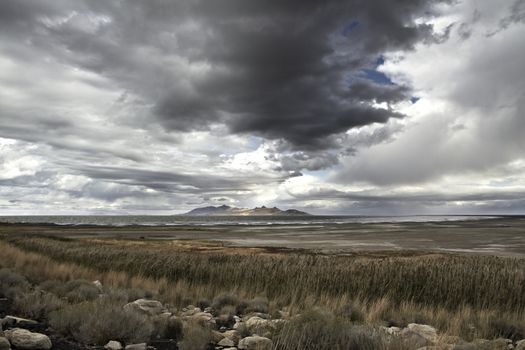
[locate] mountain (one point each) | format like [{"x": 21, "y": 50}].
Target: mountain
[{"x": 257, "y": 211}]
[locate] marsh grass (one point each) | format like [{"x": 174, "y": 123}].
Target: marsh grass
[{"x": 469, "y": 296}]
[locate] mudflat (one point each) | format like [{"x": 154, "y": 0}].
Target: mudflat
[{"x": 496, "y": 236}]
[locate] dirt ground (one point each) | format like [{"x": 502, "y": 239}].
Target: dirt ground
[{"x": 501, "y": 236}]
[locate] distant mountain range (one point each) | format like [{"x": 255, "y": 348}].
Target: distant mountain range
[{"x": 225, "y": 210}]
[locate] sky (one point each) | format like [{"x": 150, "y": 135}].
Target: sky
[{"x": 383, "y": 107}]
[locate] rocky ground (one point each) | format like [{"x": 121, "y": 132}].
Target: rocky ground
[{"x": 252, "y": 331}]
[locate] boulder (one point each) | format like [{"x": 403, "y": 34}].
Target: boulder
[
  {"x": 260, "y": 326},
  {"x": 146, "y": 306},
  {"x": 520, "y": 345},
  {"x": 204, "y": 318},
  {"x": 414, "y": 339},
  {"x": 393, "y": 331},
  {"x": 226, "y": 342},
  {"x": 233, "y": 335},
  {"x": 98, "y": 284},
  {"x": 4, "y": 344},
  {"x": 190, "y": 310},
  {"x": 113, "y": 345},
  {"x": 13, "y": 321},
  {"x": 426, "y": 331},
  {"x": 140, "y": 346},
  {"x": 24, "y": 339},
  {"x": 255, "y": 343},
  {"x": 216, "y": 336}
]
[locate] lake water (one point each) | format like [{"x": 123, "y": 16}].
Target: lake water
[{"x": 179, "y": 220}]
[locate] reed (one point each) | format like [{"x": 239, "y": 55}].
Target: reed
[{"x": 456, "y": 294}]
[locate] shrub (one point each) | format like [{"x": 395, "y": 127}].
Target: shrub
[
  {"x": 174, "y": 328},
  {"x": 257, "y": 305},
  {"x": 203, "y": 304},
  {"x": 321, "y": 330},
  {"x": 167, "y": 327},
  {"x": 224, "y": 299},
  {"x": 196, "y": 336},
  {"x": 12, "y": 284},
  {"x": 351, "y": 312},
  {"x": 37, "y": 304},
  {"x": 97, "y": 322},
  {"x": 74, "y": 291},
  {"x": 503, "y": 328}
]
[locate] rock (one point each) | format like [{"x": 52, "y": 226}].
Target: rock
[
  {"x": 226, "y": 342},
  {"x": 140, "y": 346},
  {"x": 255, "y": 343},
  {"x": 24, "y": 339},
  {"x": 502, "y": 343},
  {"x": 146, "y": 306},
  {"x": 216, "y": 336},
  {"x": 13, "y": 321},
  {"x": 190, "y": 310},
  {"x": 98, "y": 284},
  {"x": 426, "y": 331},
  {"x": 4, "y": 344},
  {"x": 203, "y": 317},
  {"x": 113, "y": 345},
  {"x": 520, "y": 345},
  {"x": 233, "y": 335},
  {"x": 394, "y": 331},
  {"x": 414, "y": 339},
  {"x": 260, "y": 326}
]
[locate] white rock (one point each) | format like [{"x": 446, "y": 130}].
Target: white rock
[
  {"x": 259, "y": 325},
  {"x": 113, "y": 345},
  {"x": 14, "y": 321},
  {"x": 146, "y": 306},
  {"x": 98, "y": 284},
  {"x": 426, "y": 331},
  {"x": 255, "y": 343},
  {"x": 24, "y": 339},
  {"x": 4, "y": 344}
]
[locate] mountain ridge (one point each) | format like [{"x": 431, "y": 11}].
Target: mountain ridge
[{"x": 226, "y": 210}]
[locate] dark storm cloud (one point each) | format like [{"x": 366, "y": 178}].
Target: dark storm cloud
[
  {"x": 278, "y": 69},
  {"x": 281, "y": 73}
]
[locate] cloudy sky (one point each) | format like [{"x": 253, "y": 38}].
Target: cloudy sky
[{"x": 336, "y": 107}]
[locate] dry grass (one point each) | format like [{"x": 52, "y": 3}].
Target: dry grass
[{"x": 460, "y": 295}]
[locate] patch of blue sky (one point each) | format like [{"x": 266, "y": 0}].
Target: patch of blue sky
[
  {"x": 350, "y": 27},
  {"x": 376, "y": 76}
]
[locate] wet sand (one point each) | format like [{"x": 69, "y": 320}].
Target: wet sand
[{"x": 499, "y": 236}]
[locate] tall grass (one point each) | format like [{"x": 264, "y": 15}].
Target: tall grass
[
  {"x": 469, "y": 296},
  {"x": 442, "y": 281}
]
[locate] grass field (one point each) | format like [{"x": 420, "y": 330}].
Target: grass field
[{"x": 469, "y": 296}]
